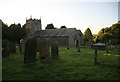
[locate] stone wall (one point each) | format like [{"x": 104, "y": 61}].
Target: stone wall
[
  {"x": 62, "y": 41},
  {"x": 73, "y": 36}
]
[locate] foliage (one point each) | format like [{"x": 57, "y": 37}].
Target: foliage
[
  {"x": 71, "y": 65},
  {"x": 50, "y": 26},
  {"x": 88, "y": 35},
  {"x": 5, "y": 31},
  {"x": 13, "y": 32},
  {"x": 106, "y": 37},
  {"x": 100, "y": 34},
  {"x": 5, "y": 43},
  {"x": 115, "y": 30},
  {"x": 63, "y": 27},
  {"x": 109, "y": 33}
]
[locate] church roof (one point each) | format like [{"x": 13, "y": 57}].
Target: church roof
[
  {"x": 63, "y": 32},
  {"x": 50, "y": 33}
]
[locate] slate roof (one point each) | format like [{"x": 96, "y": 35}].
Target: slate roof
[
  {"x": 50, "y": 33},
  {"x": 99, "y": 44},
  {"x": 79, "y": 32}
]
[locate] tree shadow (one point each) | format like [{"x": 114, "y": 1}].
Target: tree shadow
[{"x": 108, "y": 65}]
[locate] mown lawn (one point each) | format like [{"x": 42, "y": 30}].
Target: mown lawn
[{"x": 71, "y": 65}]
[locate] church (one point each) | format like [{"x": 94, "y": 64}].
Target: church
[{"x": 64, "y": 36}]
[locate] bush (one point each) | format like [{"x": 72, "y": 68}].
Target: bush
[{"x": 5, "y": 43}]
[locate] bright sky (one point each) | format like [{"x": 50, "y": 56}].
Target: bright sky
[{"x": 80, "y": 14}]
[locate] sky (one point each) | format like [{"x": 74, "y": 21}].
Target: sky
[{"x": 79, "y": 14}]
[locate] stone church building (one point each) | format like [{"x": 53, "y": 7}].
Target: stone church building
[{"x": 64, "y": 36}]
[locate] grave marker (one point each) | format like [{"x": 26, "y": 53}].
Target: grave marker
[
  {"x": 44, "y": 51},
  {"x": 22, "y": 46},
  {"x": 12, "y": 47},
  {"x": 5, "y": 52},
  {"x": 77, "y": 46},
  {"x": 30, "y": 52},
  {"x": 54, "y": 50}
]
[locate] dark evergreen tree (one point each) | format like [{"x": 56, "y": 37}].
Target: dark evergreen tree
[
  {"x": 63, "y": 27},
  {"x": 50, "y": 26}
]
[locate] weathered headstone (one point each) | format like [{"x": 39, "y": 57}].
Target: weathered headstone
[
  {"x": 95, "y": 57},
  {"x": 107, "y": 47},
  {"x": 12, "y": 47},
  {"x": 44, "y": 51},
  {"x": 5, "y": 52},
  {"x": 22, "y": 46},
  {"x": 118, "y": 50},
  {"x": 30, "y": 52},
  {"x": 5, "y": 49},
  {"x": 77, "y": 46},
  {"x": 54, "y": 50}
]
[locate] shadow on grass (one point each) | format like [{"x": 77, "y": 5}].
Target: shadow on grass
[{"x": 108, "y": 65}]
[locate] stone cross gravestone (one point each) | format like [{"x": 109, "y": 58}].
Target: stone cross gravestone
[
  {"x": 30, "y": 52},
  {"x": 12, "y": 47},
  {"x": 54, "y": 50},
  {"x": 44, "y": 51}
]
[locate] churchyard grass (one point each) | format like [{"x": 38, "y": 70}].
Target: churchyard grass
[{"x": 71, "y": 65}]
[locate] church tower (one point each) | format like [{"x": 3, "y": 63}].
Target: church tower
[
  {"x": 40, "y": 24},
  {"x": 32, "y": 25}
]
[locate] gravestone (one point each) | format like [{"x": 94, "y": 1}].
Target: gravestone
[
  {"x": 22, "y": 46},
  {"x": 5, "y": 49},
  {"x": 54, "y": 50},
  {"x": 12, "y": 47},
  {"x": 95, "y": 58},
  {"x": 44, "y": 51},
  {"x": 77, "y": 46},
  {"x": 118, "y": 50},
  {"x": 107, "y": 47},
  {"x": 5, "y": 52},
  {"x": 30, "y": 52}
]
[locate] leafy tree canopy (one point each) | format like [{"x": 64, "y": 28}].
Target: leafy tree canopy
[
  {"x": 63, "y": 27},
  {"x": 88, "y": 34},
  {"x": 13, "y": 33},
  {"x": 109, "y": 33},
  {"x": 50, "y": 26}
]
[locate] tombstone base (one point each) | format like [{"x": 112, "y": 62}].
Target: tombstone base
[
  {"x": 67, "y": 48},
  {"x": 28, "y": 64},
  {"x": 5, "y": 53},
  {"x": 43, "y": 59},
  {"x": 96, "y": 63},
  {"x": 78, "y": 50}
]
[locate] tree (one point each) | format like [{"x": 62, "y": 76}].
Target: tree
[
  {"x": 5, "y": 32},
  {"x": 99, "y": 36},
  {"x": 63, "y": 27},
  {"x": 50, "y": 26},
  {"x": 106, "y": 37},
  {"x": 16, "y": 32},
  {"x": 109, "y": 33},
  {"x": 13, "y": 33},
  {"x": 88, "y": 35}
]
